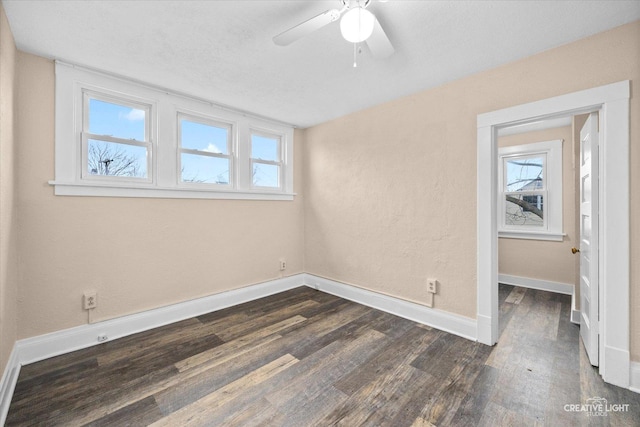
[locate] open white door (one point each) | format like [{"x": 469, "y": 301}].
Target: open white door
[{"x": 589, "y": 328}]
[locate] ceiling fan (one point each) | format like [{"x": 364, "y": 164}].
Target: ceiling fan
[{"x": 357, "y": 25}]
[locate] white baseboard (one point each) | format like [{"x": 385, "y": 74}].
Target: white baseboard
[
  {"x": 618, "y": 368},
  {"x": 484, "y": 332},
  {"x": 575, "y": 314},
  {"x": 8, "y": 383},
  {"x": 448, "y": 322},
  {"x": 44, "y": 346},
  {"x": 634, "y": 377},
  {"x": 542, "y": 285}
]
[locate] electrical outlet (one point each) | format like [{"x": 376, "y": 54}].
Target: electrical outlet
[
  {"x": 283, "y": 264},
  {"x": 432, "y": 286},
  {"x": 90, "y": 300}
]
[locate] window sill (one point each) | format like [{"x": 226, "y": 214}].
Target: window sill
[
  {"x": 531, "y": 235},
  {"x": 118, "y": 190}
]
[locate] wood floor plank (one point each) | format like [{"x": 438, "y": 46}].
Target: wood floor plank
[
  {"x": 471, "y": 409},
  {"x": 498, "y": 416},
  {"x": 260, "y": 413},
  {"x": 144, "y": 387},
  {"x": 196, "y": 413},
  {"x": 237, "y": 346},
  {"x": 538, "y": 314},
  {"x": 516, "y": 295},
  {"x": 187, "y": 331},
  {"x": 196, "y": 383},
  {"x": 142, "y": 412},
  {"x": 403, "y": 350},
  {"x": 310, "y": 412},
  {"x": 421, "y": 422},
  {"x": 323, "y": 372},
  {"x": 334, "y": 352},
  {"x": 469, "y": 358},
  {"x": 259, "y": 322},
  {"x": 378, "y": 402}
]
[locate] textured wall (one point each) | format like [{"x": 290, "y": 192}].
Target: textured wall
[
  {"x": 540, "y": 259},
  {"x": 8, "y": 205},
  {"x": 137, "y": 253},
  {"x": 391, "y": 191}
]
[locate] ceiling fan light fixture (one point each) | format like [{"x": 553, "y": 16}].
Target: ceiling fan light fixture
[{"x": 357, "y": 25}]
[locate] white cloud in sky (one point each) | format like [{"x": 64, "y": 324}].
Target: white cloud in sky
[
  {"x": 134, "y": 115},
  {"x": 212, "y": 148}
]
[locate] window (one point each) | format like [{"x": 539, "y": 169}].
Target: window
[
  {"x": 266, "y": 160},
  {"x": 115, "y": 138},
  {"x": 119, "y": 138},
  {"x": 205, "y": 151},
  {"x": 530, "y": 193}
]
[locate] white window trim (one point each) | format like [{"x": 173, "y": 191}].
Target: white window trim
[
  {"x": 148, "y": 142},
  {"x": 231, "y": 144},
  {"x": 165, "y": 106},
  {"x": 281, "y": 155},
  {"x": 552, "y": 229}
]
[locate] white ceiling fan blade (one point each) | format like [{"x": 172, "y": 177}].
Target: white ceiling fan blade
[
  {"x": 307, "y": 27},
  {"x": 379, "y": 43}
]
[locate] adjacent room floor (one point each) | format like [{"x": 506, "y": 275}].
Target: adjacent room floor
[{"x": 306, "y": 358}]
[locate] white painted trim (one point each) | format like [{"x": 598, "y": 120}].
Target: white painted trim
[
  {"x": 551, "y": 151},
  {"x": 635, "y": 377},
  {"x": 53, "y": 344},
  {"x": 536, "y": 126},
  {"x": 612, "y": 101},
  {"x": 543, "y": 285},
  {"x": 8, "y": 384},
  {"x": 442, "y": 320},
  {"x": 112, "y": 190},
  {"x": 71, "y": 84},
  {"x": 487, "y": 243},
  {"x": 575, "y": 314},
  {"x": 531, "y": 235}
]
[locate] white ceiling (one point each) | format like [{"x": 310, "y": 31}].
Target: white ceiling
[{"x": 223, "y": 50}]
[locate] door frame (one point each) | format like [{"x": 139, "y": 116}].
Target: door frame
[{"x": 612, "y": 102}]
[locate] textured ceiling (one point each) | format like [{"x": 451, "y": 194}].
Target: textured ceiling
[{"x": 223, "y": 50}]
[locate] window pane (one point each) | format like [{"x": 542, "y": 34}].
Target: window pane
[
  {"x": 524, "y": 174},
  {"x": 198, "y": 136},
  {"x": 204, "y": 169},
  {"x": 112, "y": 159},
  {"x": 265, "y": 148},
  {"x": 523, "y": 209},
  {"x": 116, "y": 120},
  {"x": 265, "y": 175}
]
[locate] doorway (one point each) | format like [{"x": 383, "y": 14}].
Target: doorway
[{"x": 613, "y": 103}]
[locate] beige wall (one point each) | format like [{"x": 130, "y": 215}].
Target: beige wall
[
  {"x": 391, "y": 191},
  {"x": 8, "y": 205},
  {"x": 137, "y": 253},
  {"x": 540, "y": 259}
]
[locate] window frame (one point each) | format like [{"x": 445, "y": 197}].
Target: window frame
[
  {"x": 164, "y": 178},
  {"x": 213, "y": 122},
  {"x": 279, "y": 163},
  {"x": 86, "y": 135},
  {"x": 551, "y": 152}
]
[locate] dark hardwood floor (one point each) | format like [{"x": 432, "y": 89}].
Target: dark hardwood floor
[{"x": 305, "y": 358}]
